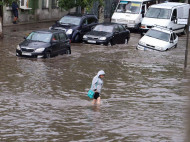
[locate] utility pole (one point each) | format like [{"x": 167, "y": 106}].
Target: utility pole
[{"x": 187, "y": 41}]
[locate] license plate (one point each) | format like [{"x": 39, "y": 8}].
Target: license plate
[
  {"x": 91, "y": 41},
  {"x": 26, "y": 54}
]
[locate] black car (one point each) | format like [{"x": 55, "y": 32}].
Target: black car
[
  {"x": 44, "y": 43},
  {"x": 107, "y": 34},
  {"x": 75, "y": 25}
]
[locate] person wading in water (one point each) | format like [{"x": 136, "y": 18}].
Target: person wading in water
[{"x": 97, "y": 84}]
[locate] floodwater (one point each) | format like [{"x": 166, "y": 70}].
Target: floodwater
[{"x": 144, "y": 97}]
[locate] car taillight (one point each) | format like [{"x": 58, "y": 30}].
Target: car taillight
[{"x": 142, "y": 27}]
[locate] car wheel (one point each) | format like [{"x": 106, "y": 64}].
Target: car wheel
[
  {"x": 47, "y": 54},
  {"x": 68, "y": 51},
  {"x": 109, "y": 43},
  {"x": 175, "y": 46}
]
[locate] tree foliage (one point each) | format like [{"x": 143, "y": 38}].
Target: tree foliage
[
  {"x": 68, "y": 4},
  {"x": 7, "y": 2}
]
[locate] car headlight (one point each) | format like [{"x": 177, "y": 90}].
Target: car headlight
[
  {"x": 84, "y": 36},
  {"x": 142, "y": 43},
  {"x": 39, "y": 50},
  {"x": 18, "y": 47},
  {"x": 69, "y": 31},
  {"x": 102, "y": 38}
]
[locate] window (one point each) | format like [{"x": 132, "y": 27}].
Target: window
[
  {"x": 24, "y": 4},
  {"x": 62, "y": 36},
  {"x": 92, "y": 20},
  {"x": 174, "y": 15},
  {"x": 85, "y": 22},
  {"x": 54, "y": 4},
  {"x": 121, "y": 28},
  {"x": 116, "y": 29},
  {"x": 55, "y": 37},
  {"x": 45, "y": 3},
  {"x": 174, "y": 35}
]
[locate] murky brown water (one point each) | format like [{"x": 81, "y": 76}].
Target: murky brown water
[{"x": 144, "y": 96}]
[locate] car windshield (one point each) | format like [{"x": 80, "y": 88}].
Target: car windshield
[
  {"x": 129, "y": 7},
  {"x": 42, "y": 37},
  {"x": 70, "y": 20},
  {"x": 158, "y": 35},
  {"x": 159, "y": 13},
  {"x": 103, "y": 28}
]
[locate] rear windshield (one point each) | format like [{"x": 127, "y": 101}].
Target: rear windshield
[
  {"x": 158, "y": 35},
  {"x": 159, "y": 13},
  {"x": 103, "y": 28},
  {"x": 42, "y": 37}
]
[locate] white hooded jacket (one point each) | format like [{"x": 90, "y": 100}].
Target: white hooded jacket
[{"x": 97, "y": 82}]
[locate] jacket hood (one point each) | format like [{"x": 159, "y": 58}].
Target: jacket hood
[{"x": 101, "y": 72}]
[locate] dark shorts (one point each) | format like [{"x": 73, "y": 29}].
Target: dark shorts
[
  {"x": 96, "y": 95},
  {"x": 15, "y": 13}
]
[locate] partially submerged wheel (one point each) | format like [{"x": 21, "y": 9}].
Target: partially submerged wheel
[
  {"x": 68, "y": 51},
  {"x": 47, "y": 54},
  {"x": 126, "y": 41}
]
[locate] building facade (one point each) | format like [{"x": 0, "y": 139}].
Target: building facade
[{"x": 34, "y": 11}]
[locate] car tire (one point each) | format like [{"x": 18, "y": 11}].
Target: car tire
[
  {"x": 47, "y": 54},
  {"x": 68, "y": 51}
]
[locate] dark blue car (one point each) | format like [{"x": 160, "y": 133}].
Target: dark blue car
[{"x": 75, "y": 25}]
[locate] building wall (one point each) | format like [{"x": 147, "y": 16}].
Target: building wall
[{"x": 37, "y": 13}]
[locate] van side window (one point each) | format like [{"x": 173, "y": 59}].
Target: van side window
[
  {"x": 62, "y": 36},
  {"x": 171, "y": 37},
  {"x": 116, "y": 29},
  {"x": 174, "y": 15},
  {"x": 121, "y": 28},
  {"x": 92, "y": 20}
]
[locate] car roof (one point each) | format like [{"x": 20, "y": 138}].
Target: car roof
[
  {"x": 168, "y": 5},
  {"x": 80, "y": 15},
  {"x": 108, "y": 24},
  {"x": 162, "y": 29},
  {"x": 48, "y": 31}
]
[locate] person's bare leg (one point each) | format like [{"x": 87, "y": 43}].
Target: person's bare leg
[
  {"x": 98, "y": 101},
  {"x": 94, "y": 101}
]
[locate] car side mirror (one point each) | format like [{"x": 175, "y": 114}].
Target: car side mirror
[{"x": 24, "y": 37}]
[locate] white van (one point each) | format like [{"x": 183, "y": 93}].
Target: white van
[
  {"x": 166, "y": 15},
  {"x": 130, "y": 12}
]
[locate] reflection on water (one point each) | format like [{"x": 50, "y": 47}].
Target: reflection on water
[{"x": 143, "y": 99}]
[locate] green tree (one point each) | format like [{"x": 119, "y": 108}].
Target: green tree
[{"x": 68, "y": 4}]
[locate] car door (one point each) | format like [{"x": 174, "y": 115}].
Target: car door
[
  {"x": 55, "y": 43},
  {"x": 84, "y": 26},
  {"x": 64, "y": 43},
  {"x": 122, "y": 34},
  {"x": 116, "y": 35}
]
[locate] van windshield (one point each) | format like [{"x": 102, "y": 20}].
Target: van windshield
[
  {"x": 129, "y": 7},
  {"x": 159, "y": 13},
  {"x": 158, "y": 35}
]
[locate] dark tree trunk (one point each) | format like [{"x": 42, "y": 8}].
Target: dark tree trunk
[{"x": 1, "y": 21}]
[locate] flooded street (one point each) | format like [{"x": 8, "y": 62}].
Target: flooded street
[{"x": 144, "y": 97}]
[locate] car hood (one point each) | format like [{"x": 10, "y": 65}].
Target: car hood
[
  {"x": 154, "y": 42},
  {"x": 34, "y": 44},
  {"x": 99, "y": 34}
]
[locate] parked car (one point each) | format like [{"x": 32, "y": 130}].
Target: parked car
[
  {"x": 75, "y": 25},
  {"x": 44, "y": 43},
  {"x": 107, "y": 34},
  {"x": 158, "y": 38}
]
